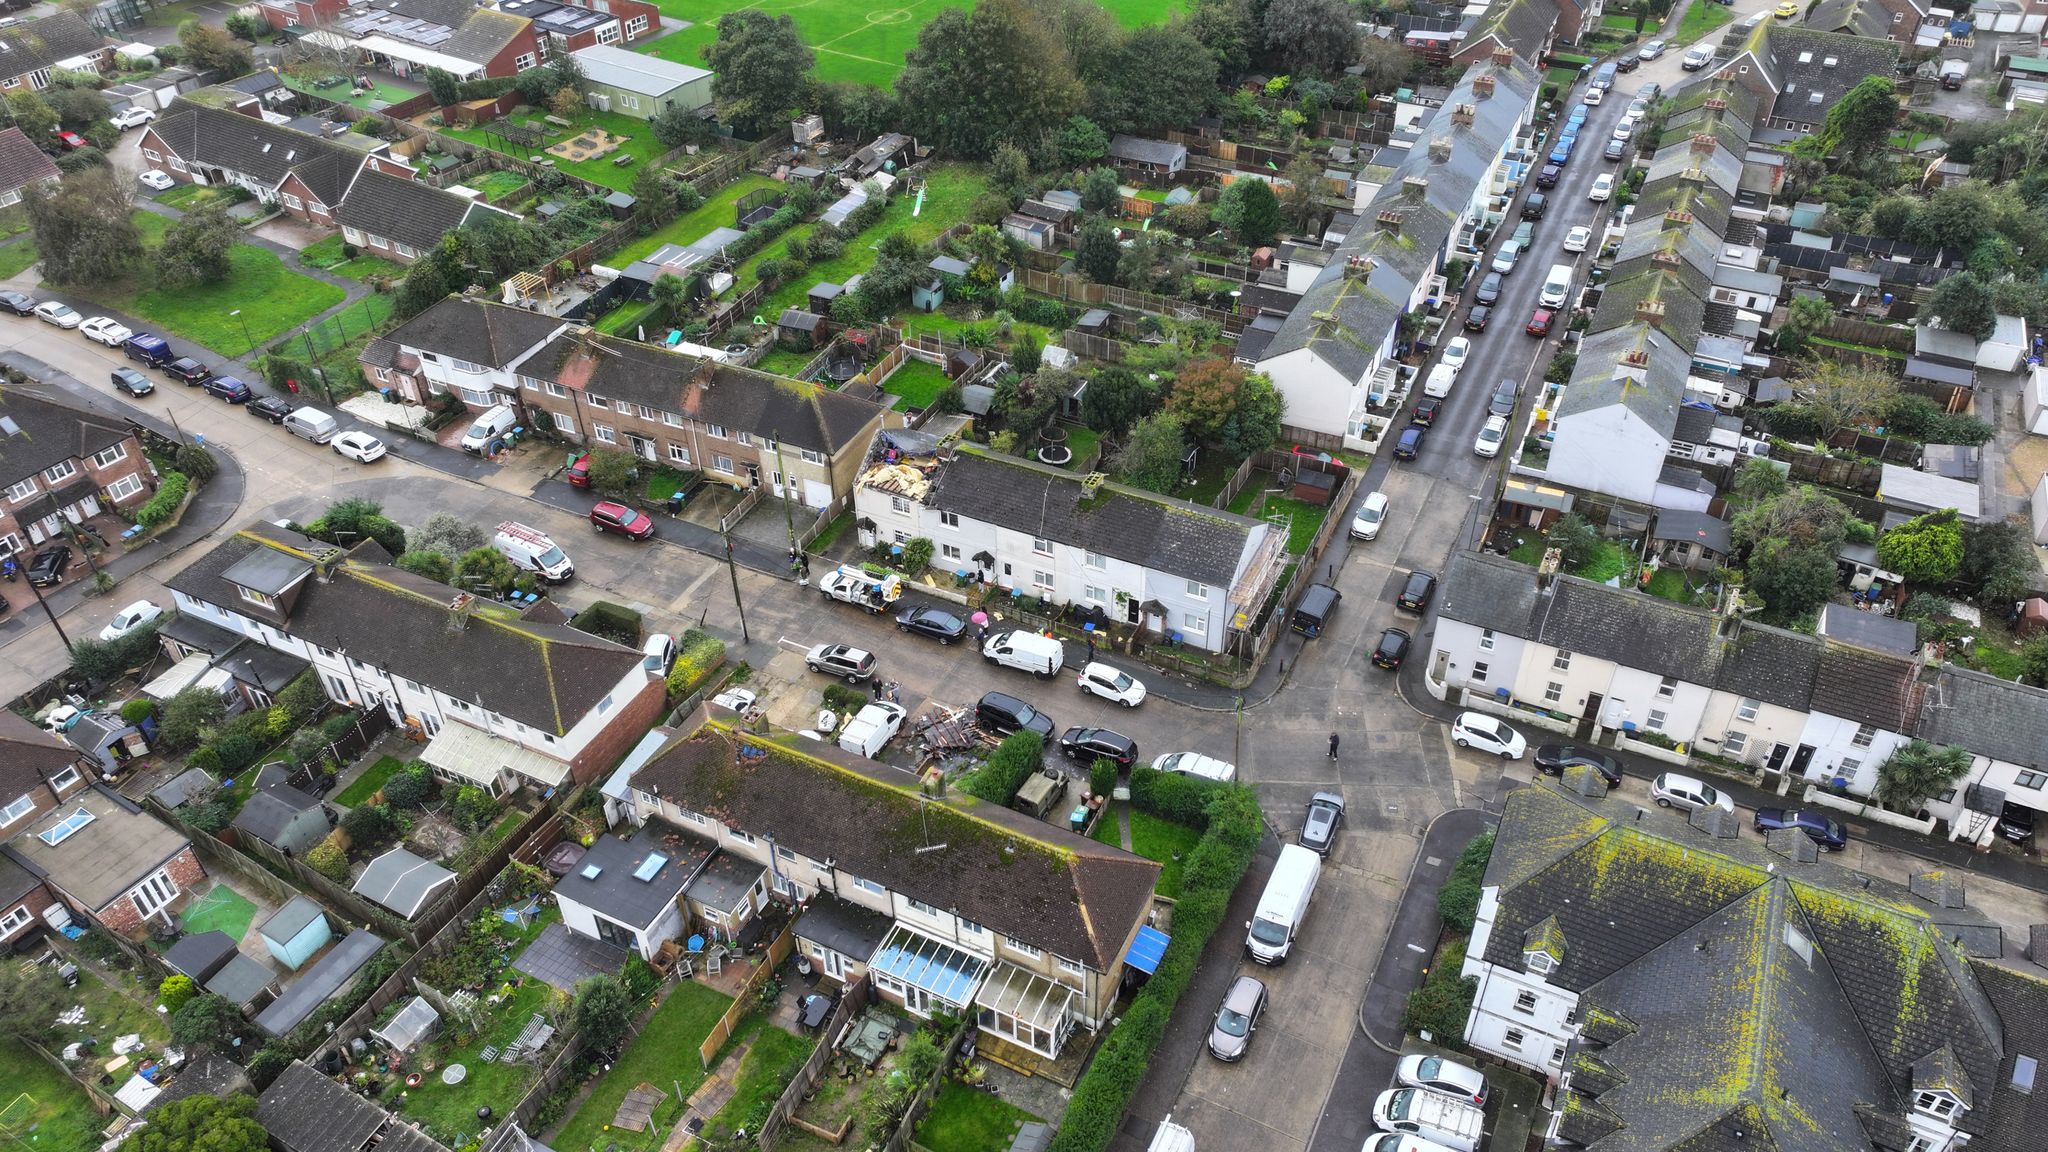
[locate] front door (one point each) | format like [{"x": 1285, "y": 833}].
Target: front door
[
  {"x": 1592, "y": 713},
  {"x": 835, "y": 964},
  {"x": 1776, "y": 763},
  {"x": 1801, "y": 759}
]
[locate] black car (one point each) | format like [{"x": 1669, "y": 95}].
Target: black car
[
  {"x": 1533, "y": 207},
  {"x": 936, "y": 623},
  {"x": 191, "y": 371},
  {"x": 1475, "y": 320},
  {"x": 1489, "y": 289},
  {"x": 2016, "y": 823},
  {"x": 19, "y": 303},
  {"x": 1426, "y": 410},
  {"x": 1319, "y": 825},
  {"x": 1548, "y": 176},
  {"x": 1629, "y": 62},
  {"x": 1505, "y": 394},
  {"x": 49, "y": 565},
  {"x": 1087, "y": 745},
  {"x": 1555, "y": 758},
  {"x": 1006, "y": 715},
  {"x": 1409, "y": 443},
  {"x": 270, "y": 408},
  {"x": 1415, "y": 594},
  {"x": 132, "y": 382},
  {"x": 1615, "y": 149},
  {"x": 229, "y": 389},
  {"x": 1818, "y": 828},
  {"x": 1391, "y": 650}
]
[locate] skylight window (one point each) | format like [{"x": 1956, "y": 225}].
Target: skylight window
[
  {"x": 66, "y": 828},
  {"x": 2023, "y": 1069},
  {"x": 650, "y": 867},
  {"x": 592, "y": 871}
]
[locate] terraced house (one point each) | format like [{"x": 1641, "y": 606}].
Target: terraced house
[
  {"x": 29, "y": 50},
  {"x": 1685, "y": 985},
  {"x": 58, "y": 464}
]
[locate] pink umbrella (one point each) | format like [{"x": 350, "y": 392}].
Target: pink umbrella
[{"x": 979, "y": 618}]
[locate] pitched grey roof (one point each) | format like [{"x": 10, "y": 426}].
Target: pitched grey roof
[
  {"x": 208, "y": 1074},
  {"x": 257, "y": 148},
  {"x": 291, "y": 919},
  {"x": 2017, "y": 1119},
  {"x": 38, "y": 44},
  {"x": 1772, "y": 665},
  {"x": 1523, "y": 25},
  {"x": 1709, "y": 532},
  {"x": 50, "y": 433},
  {"x": 411, "y": 212},
  {"x": 22, "y": 163},
  {"x": 607, "y": 878},
  {"x": 1653, "y": 390},
  {"x": 401, "y": 881},
  {"x": 482, "y": 35},
  {"x": 1844, "y": 624},
  {"x": 1140, "y": 150},
  {"x": 1630, "y": 628},
  {"x": 1856, "y": 58},
  {"x": 268, "y": 815},
  {"x": 304, "y": 1111},
  {"x": 1991, "y": 717},
  {"x": 1143, "y": 528},
  {"x": 476, "y": 331},
  {"x": 1488, "y": 591},
  {"x": 29, "y": 756},
  {"x": 1867, "y": 687}
]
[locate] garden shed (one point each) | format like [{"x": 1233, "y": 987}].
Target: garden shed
[
  {"x": 402, "y": 882},
  {"x": 295, "y": 932}
]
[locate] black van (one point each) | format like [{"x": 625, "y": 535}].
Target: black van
[
  {"x": 1006, "y": 715},
  {"x": 1313, "y": 613}
]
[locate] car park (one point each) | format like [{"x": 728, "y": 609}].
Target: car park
[
  {"x": 1652, "y": 50},
  {"x": 1603, "y": 187},
  {"x": 1005, "y": 715},
  {"x": 1615, "y": 149},
  {"x": 1456, "y": 351},
  {"x": 1478, "y": 730},
  {"x": 1532, "y": 208},
  {"x": 1487, "y": 443},
  {"x": 1504, "y": 259},
  {"x": 1436, "y": 1074},
  {"x": 1372, "y": 514},
  {"x": 1818, "y": 828},
  {"x": 1426, "y": 410},
  {"x": 105, "y": 330},
  {"x": 48, "y": 566},
  {"x": 1488, "y": 291},
  {"x": 936, "y": 623},
  {"x": 59, "y": 313},
  {"x": 129, "y": 619},
  {"x": 188, "y": 370},
  {"x": 1320, "y": 823},
  {"x": 1196, "y": 764},
  {"x": 1505, "y": 395},
  {"x": 1392, "y": 649},
  {"x": 229, "y": 389},
  {"x": 1553, "y": 759},
  {"x": 1673, "y": 790},
  {"x": 1243, "y": 1003},
  {"x": 364, "y": 448},
  {"x": 1416, "y": 592},
  {"x": 1539, "y": 322},
  {"x": 270, "y": 408},
  {"x": 157, "y": 180},
  {"x": 133, "y": 116},
  {"x": 612, "y": 516},
  {"x": 850, "y": 664},
  {"x": 1548, "y": 175},
  {"x": 19, "y": 303},
  {"x": 132, "y": 382},
  {"x": 1086, "y": 745},
  {"x": 1577, "y": 239},
  {"x": 1475, "y": 320},
  {"x": 1112, "y": 684},
  {"x": 1409, "y": 442}
]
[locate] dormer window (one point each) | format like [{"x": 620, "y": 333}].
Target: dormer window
[
  {"x": 1936, "y": 1104},
  {"x": 257, "y": 598},
  {"x": 1540, "y": 963}
]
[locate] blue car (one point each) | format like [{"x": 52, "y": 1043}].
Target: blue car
[
  {"x": 229, "y": 389},
  {"x": 1818, "y": 828},
  {"x": 1562, "y": 153},
  {"x": 1579, "y": 113},
  {"x": 1410, "y": 442}
]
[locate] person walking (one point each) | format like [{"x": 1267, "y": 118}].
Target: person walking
[
  {"x": 1091, "y": 649},
  {"x": 1333, "y": 745}
]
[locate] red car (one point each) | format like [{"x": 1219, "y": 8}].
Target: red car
[
  {"x": 72, "y": 141},
  {"x": 578, "y": 474},
  {"x": 611, "y": 516},
  {"x": 1539, "y": 322}
]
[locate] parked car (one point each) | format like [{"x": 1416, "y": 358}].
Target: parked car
[
  {"x": 936, "y": 623},
  {"x": 364, "y": 448},
  {"x": 1595, "y": 96},
  {"x": 612, "y": 516},
  {"x": 1478, "y": 730},
  {"x": 1577, "y": 239},
  {"x": 1505, "y": 395},
  {"x": 1532, "y": 208},
  {"x": 842, "y": 660},
  {"x": 129, "y": 619},
  {"x": 1112, "y": 684},
  {"x": 1371, "y": 515},
  {"x": 1196, "y": 764},
  {"x": 1488, "y": 291},
  {"x": 1652, "y": 50},
  {"x": 1391, "y": 649},
  {"x": 1456, "y": 351},
  {"x": 1697, "y": 57},
  {"x": 1475, "y": 320},
  {"x": 1446, "y": 1076},
  {"x": 59, "y": 313},
  {"x": 69, "y": 141},
  {"x": 1426, "y": 410},
  {"x": 1005, "y": 715},
  {"x": 1539, "y": 322},
  {"x": 1672, "y": 790},
  {"x": 1818, "y": 828},
  {"x": 1238, "y": 1018},
  {"x": 1491, "y": 434},
  {"x": 191, "y": 371},
  {"x": 1409, "y": 442},
  {"x": 1603, "y": 187},
  {"x": 157, "y": 180},
  {"x": 1084, "y": 745},
  {"x": 2016, "y": 823},
  {"x": 229, "y": 389},
  {"x": 1416, "y": 593},
  {"x": 19, "y": 303},
  {"x": 132, "y": 382},
  {"x": 1579, "y": 112},
  {"x": 578, "y": 472},
  {"x": 1786, "y": 10},
  {"x": 1615, "y": 149},
  {"x": 1628, "y": 63},
  {"x": 1547, "y": 176},
  {"x": 270, "y": 408},
  {"x": 48, "y": 566},
  {"x": 1561, "y": 152},
  {"x": 1624, "y": 130},
  {"x": 1553, "y": 759},
  {"x": 1320, "y": 823},
  {"x": 133, "y": 116},
  {"x": 1504, "y": 259}
]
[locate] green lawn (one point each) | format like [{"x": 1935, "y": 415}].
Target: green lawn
[
  {"x": 785, "y": 361},
  {"x": 627, "y": 319},
  {"x": 1302, "y": 518},
  {"x": 1165, "y": 843},
  {"x": 640, "y": 144},
  {"x": 716, "y": 212},
  {"x": 16, "y": 257},
  {"x": 665, "y": 1055},
  {"x": 965, "y": 1119},
  {"x": 918, "y": 382},
  {"x": 770, "y": 1064},
  {"x": 496, "y": 186},
  {"x": 271, "y": 298},
  {"x": 1703, "y": 17},
  {"x": 953, "y": 327},
  {"x": 380, "y": 94},
  {"x": 45, "y": 1110},
  {"x": 1107, "y": 830},
  {"x": 1670, "y": 584},
  {"x": 186, "y": 197},
  {"x": 1081, "y": 441},
  {"x": 328, "y": 255},
  {"x": 366, "y": 785},
  {"x": 449, "y": 1110},
  {"x": 221, "y": 909},
  {"x": 665, "y": 482},
  {"x": 949, "y": 191}
]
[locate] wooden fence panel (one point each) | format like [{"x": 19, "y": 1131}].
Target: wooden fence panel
[
  {"x": 852, "y": 1002},
  {"x": 899, "y": 1140},
  {"x": 778, "y": 951}
]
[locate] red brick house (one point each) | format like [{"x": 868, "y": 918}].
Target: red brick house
[
  {"x": 57, "y": 460},
  {"x": 37, "y": 772},
  {"x": 406, "y": 37},
  {"x": 22, "y": 166},
  {"x": 563, "y": 26},
  {"x": 303, "y": 13},
  {"x": 29, "y": 50},
  {"x": 304, "y": 174},
  {"x": 108, "y": 860}
]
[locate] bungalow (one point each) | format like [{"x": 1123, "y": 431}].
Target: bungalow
[
  {"x": 1149, "y": 158},
  {"x": 306, "y": 175},
  {"x": 23, "y": 166},
  {"x": 398, "y": 217},
  {"x": 638, "y": 85},
  {"x": 402, "y": 882},
  {"x": 31, "y": 49},
  {"x": 628, "y": 892},
  {"x": 108, "y": 861}
]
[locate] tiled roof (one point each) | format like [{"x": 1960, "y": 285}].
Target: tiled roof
[
  {"x": 483, "y": 35},
  {"x": 22, "y": 163},
  {"x": 328, "y": 174},
  {"x": 50, "y": 433},
  {"x": 264, "y": 151},
  {"x": 1025, "y": 879},
  {"x": 1866, "y": 687},
  {"x": 411, "y": 212},
  {"x": 1772, "y": 665},
  {"x": 1990, "y": 717},
  {"x": 1140, "y": 150},
  {"x": 2017, "y": 1119},
  {"x": 476, "y": 331},
  {"x": 1801, "y": 56},
  {"x": 29, "y": 756},
  {"x": 38, "y": 44}
]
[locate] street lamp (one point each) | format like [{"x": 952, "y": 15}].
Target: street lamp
[{"x": 237, "y": 314}]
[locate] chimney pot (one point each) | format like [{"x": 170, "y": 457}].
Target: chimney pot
[
  {"x": 1651, "y": 310},
  {"x": 1704, "y": 143},
  {"x": 1390, "y": 221},
  {"x": 1677, "y": 217},
  {"x": 1462, "y": 115},
  {"x": 1715, "y": 104},
  {"x": 1482, "y": 87},
  {"x": 1504, "y": 57},
  {"x": 1636, "y": 358}
]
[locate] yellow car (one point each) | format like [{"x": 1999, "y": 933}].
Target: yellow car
[{"x": 1787, "y": 10}]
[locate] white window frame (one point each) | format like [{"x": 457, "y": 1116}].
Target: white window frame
[
  {"x": 1866, "y": 735},
  {"x": 1553, "y": 693},
  {"x": 609, "y": 34},
  {"x": 1657, "y": 720},
  {"x": 1746, "y": 709},
  {"x": 125, "y": 487},
  {"x": 604, "y": 434},
  {"x": 1022, "y": 949},
  {"x": 949, "y": 519},
  {"x": 1041, "y": 546},
  {"x": 109, "y": 456},
  {"x": 1735, "y": 742},
  {"x": 1196, "y": 623},
  {"x": 677, "y": 454},
  {"x": 59, "y": 472},
  {"x": 1486, "y": 639},
  {"x": 16, "y": 919},
  {"x": 22, "y": 806},
  {"x": 1095, "y": 560},
  {"x": 1480, "y": 671},
  {"x": 870, "y": 887},
  {"x": 1667, "y": 688},
  {"x": 22, "y": 491},
  {"x": 564, "y": 422}
]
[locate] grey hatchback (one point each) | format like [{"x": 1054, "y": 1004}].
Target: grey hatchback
[
  {"x": 1237, "y": 1019},
  {"x": 1319, "y": 826}
]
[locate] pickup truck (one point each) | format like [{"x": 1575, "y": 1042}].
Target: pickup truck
[{"x": 853, "y": 586}]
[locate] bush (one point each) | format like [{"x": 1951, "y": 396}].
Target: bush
[
  {"x": 842, "y": 698},
  {"x": 137, "y": 710},
  {"x": 1457, "y": 902},
  {"x": 196, "y": 462},
  {"x": 1173, "y": 796},
  {"x": 473, "y": 809},
  {"x": 189, "y": 717},
  {"x": 1013, "y": 762},
  {"x": 1441, "y": 1006},
  {"x": 368, "y": 826},
  {"x": 697, "y": 656},
  {"x": 917, "y": 554},
  {"x": 303, "y": 698},
  {"x": 205, "y": 1019},
  {"x": 1102, "y": 777},
  {"x": 614, "y": 622},
  {"x": 604, "y": 1009},
  {"x": 410, "y": 787},
  {"x": 162, "y": 506},
  {"x": 175, "y": 992},
  {"x": 328, "y": 859},
  {"x": 101, "y": 661}
]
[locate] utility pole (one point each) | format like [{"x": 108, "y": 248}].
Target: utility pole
[
  {"x": 732, "y": 569},
  {"x": 313, "y": 366},
  {"x": 45, "y": 604}
]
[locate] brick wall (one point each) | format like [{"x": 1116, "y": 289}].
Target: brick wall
[
  {"x": 618, "y": 737},
  {"x": 134, "y": 463},
  {"x": 120, "y": 915},
  {"x": 38, "y": 898}
]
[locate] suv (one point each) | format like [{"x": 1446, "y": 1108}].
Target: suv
[
  {"x": 1087, "y": 745},
  {"x": 270, "y": 408},
  {"x": 1319, "y": 826},
  {"x": 1532, "y": 208},
  {"x": 612, "y": 516},
  {"x": 48, "y": 566},
  {"x": 229, "y": 389},
  {"x": 1006, "y": 715},
  {"x": 132, "y": 382},
  {"x": 1547, "y": 177},
  {"x": 1415, "y": 594},
  {"x": 185, "y": 368},
  {"x": 842, "y": 660}
]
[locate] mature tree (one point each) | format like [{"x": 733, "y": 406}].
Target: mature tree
[
  {"x": 678, "y": 124},
  {"x": 1204, "y": 396},
  {"x": 1151, "y": 458},
  {"x": 1892, "y": 217},
  {"x": 349, "y": 522},
  {"x": 980, "y": 77},
  {"x": 1927, "y": 549},
  {"x": 1116, "y": 398},
  {"x": 1298, "y": 194},
  {"x": 448, "y": 535},
  {"x": 1803, "y": 517},
  {"x": 672, "y": 293},
  {"x": 760, "y": 68},
  {"x": 1808, "y": 314},
  {"x": 434, "y": 277},
  {"x": 1916, "y": 770},
  {"x": 603, "y": 1011},
  {"x": 198, "y": 248},
  {"x": 207, "y": 46},
  {"x": 863, "y": 111},
  {"x": 1758, "y": 481},
  {"x": 1843, "y": 395},
  {"x": 1255, "y": 424},
  {"x": 1964, "y": 303},
  {"x": 484, "y": 571},
  {"x": 1791, "y": 579},
  {"x": 1158, "y": 77},
  {"x": 83, "y": 228},
  {"x": 1153, "y": 262},
  {"x": 411, "y": 786},
  {"x": 368, "y": 825},
  {"x": 1315, "y": 37},
  {"x": 445, "y": 88},
  {"x": 1249, "y": 211},
  {"x": 435, "y": 566},
  {"x": 78, "y": 109},
  {"x": 1228, "y": 29},
  {"x": 190, "y": 717},
  {"x": 500, "y": 245},
  {"x": 1101, "y": 191},
  {"x": 1082, "y": 142},
  {"x": 1098, "y": 253},
  {"x": 612, "y": 470},
  {"x": 31, "y": 113},
  {"x": 206, "y": 1019},
  {"x": 1383, "y": 63},
  {"x": 1956, "y": 217},
  {"x": 899, "y": 262},
  {"x": 201, "y": 1123},
  {"x": 1998, "y": 560},
  {"x": 1009, "y": 172},
  {"x": 1083, "y": 30},
  {"x": 1575, "y": 538},
  {"x": 1861, "y": 120}
]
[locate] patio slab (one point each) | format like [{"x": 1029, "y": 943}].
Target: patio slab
[{"x": 562, "y": 958}]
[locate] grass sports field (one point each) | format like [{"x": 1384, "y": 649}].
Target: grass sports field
[{"x": 855, "y": 40}]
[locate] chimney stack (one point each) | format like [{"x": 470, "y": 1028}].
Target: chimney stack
[
  {"x": 1462, "y": 115},
  {"x": 1413, "y": 188},
  {"x": 1636, "y": 358},
  {"x": 1650, "y": 311},
  {"x": 1704, "y": 143},
  {"x": 1482, "y": 87},
  {"x": 1678, "y": 217},
  {"x": 1715, "y": 104},
  {"x": 1503, "y": 57},
  {"x": 1390, "y": 222},
  {"x": 1666, "y": 257},
  {"x": 1439, "y": 150}
]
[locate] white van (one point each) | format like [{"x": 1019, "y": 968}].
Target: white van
[
  {"x": 530, "y": 550},
  {"x": 1283, "y": 905},
  {"x": 488, "y": 427},
  {"x": 1434, "y": 1117},
  {"x": 1556, "y": 286},
  {"x": 871, "y": 728},
  {"x": 1041, "y": 656},
  {"x": 1171, "y": 1137},
  {"x": 311, "y": 423},
  {"x": 1440, "y": 380}
]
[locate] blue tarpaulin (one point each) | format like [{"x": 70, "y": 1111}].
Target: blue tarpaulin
[{"x": 1147, "y": 950}]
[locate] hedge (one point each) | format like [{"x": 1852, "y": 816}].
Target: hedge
[
  {"x": 1173, "y": 796},
  {"x": 164, "y": 504},
  {"x": 614, "y": 622},
  {"x": 1014, "y": 761},
  {"x": 1212, "y": 872},
  {"x": 697, "y": 657},
  {"x": 1457, "y": 902}
]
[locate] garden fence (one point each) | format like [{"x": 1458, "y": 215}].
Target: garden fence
[
  {"x": 853, "y": 1000},
  {"x": 1234, "y": 485},
  {"x": 1088, "y": 292},
  {"x": 101, "y": 1102},
  {"x": 743, "y": 1005},
  {"x": 899, "y": 1140},
  {"x": 826, "y": 515},
  {"x": 1850, "y": 330},
  {"x": 739, "y": 511}
]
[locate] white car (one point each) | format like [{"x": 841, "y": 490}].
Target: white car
[
  {"x": 1436, "y": 1074},
  {"x": 360, "y": 447},
  {"x": 59, "y": 313},
  {"x": 105, "y": 330},
  {"x": 129, "y": 619},
  {"x": 1371, "y": 514},
  {"x": 661, "y": 650},
  {"x": 132, "y": 117},
  {"x": 157, "y": 180},
  {"x": 1098, "y": 679},
  {"x": 1671, "y": 790},
  {"x": 1603, "y": 187},
  {"x": 1577, "y": 239},
  {"x": 1478, "y": 730},
  {"x": 1490, "y": 437},
  {"x": 1196, "y": 764},
  {"x": 741, "y": 700},
  {"x": 1456, "y": 352},
  {"x": 1624, "y": 130},
  {"x": 1595, "y": 95}
]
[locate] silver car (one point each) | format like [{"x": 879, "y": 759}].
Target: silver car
[
  {"x": 1446, "y": 1076},
  {"x": 1319, "y": 826},
  {"x": 1238, "y": 1018}
]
